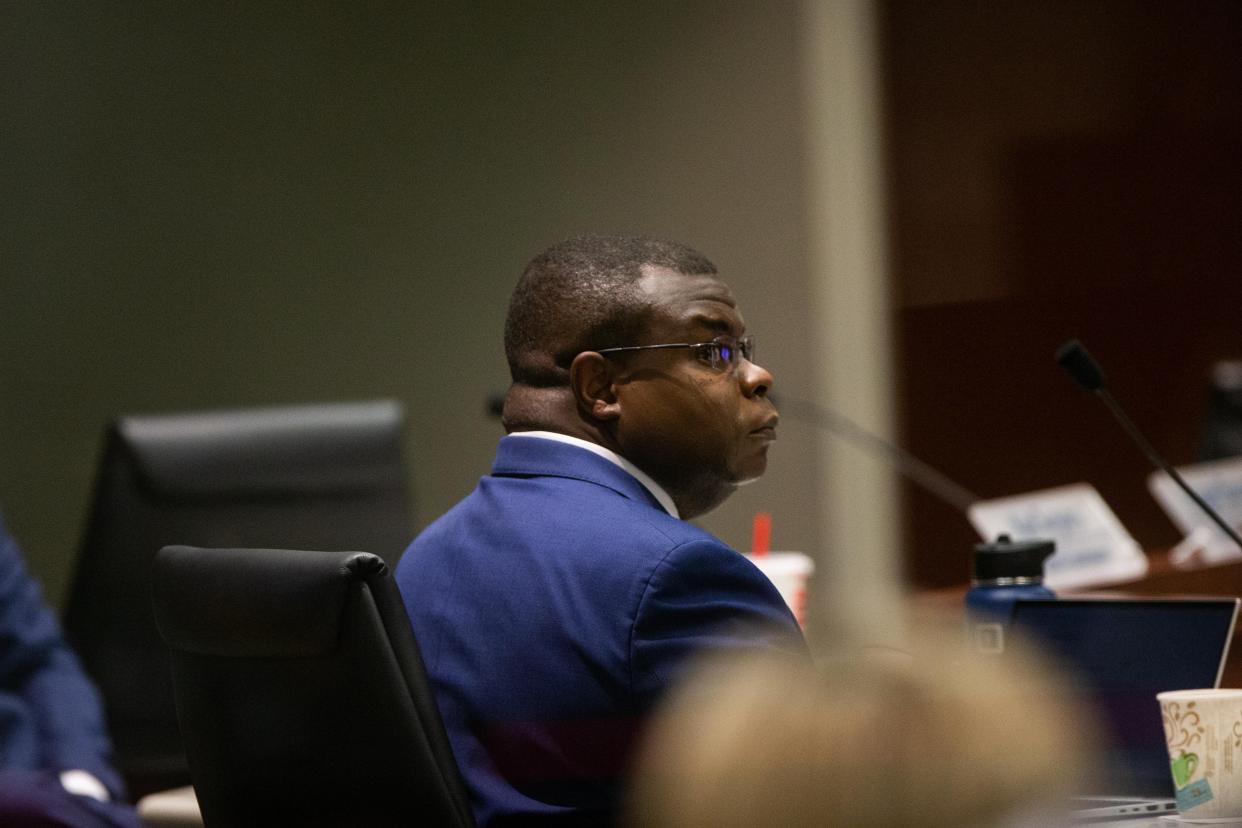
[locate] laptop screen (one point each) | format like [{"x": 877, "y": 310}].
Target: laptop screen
[{"x": 1120, "y": 653}]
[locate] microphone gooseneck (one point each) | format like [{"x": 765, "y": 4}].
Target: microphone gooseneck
[
  {"x": 928, "y": 478},
  {"x": 1085, "y": 371}
]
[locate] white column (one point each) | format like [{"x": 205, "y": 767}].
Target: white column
[{"x": 858, "y": 589}]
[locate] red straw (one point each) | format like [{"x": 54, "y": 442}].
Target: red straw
[{"x": 761, "y": 534}]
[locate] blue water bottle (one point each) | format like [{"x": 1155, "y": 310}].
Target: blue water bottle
[{"x": 1004, "y": 571}]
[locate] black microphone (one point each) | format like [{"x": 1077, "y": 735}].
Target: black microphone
[{"x": 1073, "y": 357}]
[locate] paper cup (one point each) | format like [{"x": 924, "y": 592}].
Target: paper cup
[
  {"x": 1203, "y": 732},
  {"x": 789, "y": 573}
]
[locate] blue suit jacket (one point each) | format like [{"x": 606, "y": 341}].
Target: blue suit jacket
[
  {"x": 554, "y": 606},
  {"x": 51, "y": 717}
]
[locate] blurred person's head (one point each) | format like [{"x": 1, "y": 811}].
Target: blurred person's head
[{"x": 930, "y": 738}]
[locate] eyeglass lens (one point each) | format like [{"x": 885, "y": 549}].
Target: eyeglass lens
[{"x": 726, "y": 349}]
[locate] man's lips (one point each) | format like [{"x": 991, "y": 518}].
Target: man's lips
[{"x": 767, "y": 430}]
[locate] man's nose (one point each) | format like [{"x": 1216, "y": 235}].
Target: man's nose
[{"x": 755, "y": 380}]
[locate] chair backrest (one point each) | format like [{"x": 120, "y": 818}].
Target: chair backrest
[
  {"x": 301, "y": 692},
  {"x": 326, "y": 476}
]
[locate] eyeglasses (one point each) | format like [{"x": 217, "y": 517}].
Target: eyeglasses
[{"x": 721, "y": 353}]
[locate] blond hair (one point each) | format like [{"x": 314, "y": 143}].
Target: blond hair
[{"x": 930, "y": 738}]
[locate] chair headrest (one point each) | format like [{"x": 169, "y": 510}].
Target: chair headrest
[
  {"x": 306, "y": 449},
  {"x": 256, "y": 602}
]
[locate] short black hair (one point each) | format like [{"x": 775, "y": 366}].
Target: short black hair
[{"x": 582, "y": 295}]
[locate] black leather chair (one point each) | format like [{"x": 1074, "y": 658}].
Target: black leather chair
[
  {"x": 328, "y": 476},
  {"x": 301, "y": 692}
]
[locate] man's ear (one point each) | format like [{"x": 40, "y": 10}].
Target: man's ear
[{"x": 590, "y": 378}]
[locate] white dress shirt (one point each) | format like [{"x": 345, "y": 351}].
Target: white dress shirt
[{"x": 657, "y": 491}]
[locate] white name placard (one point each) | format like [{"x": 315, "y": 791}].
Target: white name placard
[
  {"x": 1093, "y": 548},
  {"x": 1219, "y": 483}
]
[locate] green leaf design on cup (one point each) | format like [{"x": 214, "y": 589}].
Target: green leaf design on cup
[{"x": 1184, "y": 767}]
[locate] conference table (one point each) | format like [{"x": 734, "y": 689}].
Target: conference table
[
  {"x": 1163, "y": 579},
  {"x": 1141, "y": 822},
  {"x": 175, "y": 809}
]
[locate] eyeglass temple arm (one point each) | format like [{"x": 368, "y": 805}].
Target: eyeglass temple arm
[{"x": 652, "y": 347}]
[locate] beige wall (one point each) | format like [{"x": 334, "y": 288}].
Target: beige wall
[{"x": 226, "y": 205}]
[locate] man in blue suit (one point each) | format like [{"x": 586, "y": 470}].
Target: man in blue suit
[
  {"x": 559, "y": 600},
  {"x": 54, "y": 751}
]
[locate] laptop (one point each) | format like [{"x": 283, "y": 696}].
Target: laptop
[{"x": 1121, "y": 652}]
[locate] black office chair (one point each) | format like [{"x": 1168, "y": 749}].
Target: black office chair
[
  {"x": 301, "y": 692},
  {"x": 326, "y": 476}
]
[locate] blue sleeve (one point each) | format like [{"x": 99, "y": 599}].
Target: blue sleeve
[
  {"x": 40, "y": 671},
  {"x": 705, "y": 596}
]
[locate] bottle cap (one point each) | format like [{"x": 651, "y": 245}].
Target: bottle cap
[{"x": 1008, "y": 558}]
